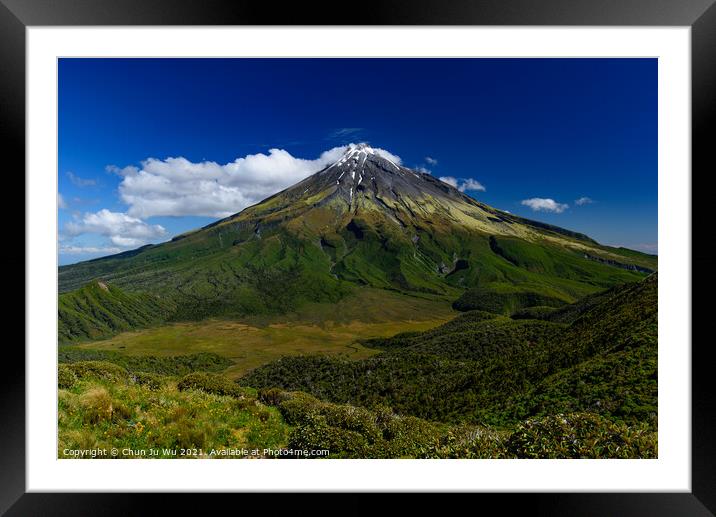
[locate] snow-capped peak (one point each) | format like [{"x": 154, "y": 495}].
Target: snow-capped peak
[{"x": 361, "y": 151}]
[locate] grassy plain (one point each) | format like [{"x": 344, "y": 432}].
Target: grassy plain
[{"x": 318, "y": 329}]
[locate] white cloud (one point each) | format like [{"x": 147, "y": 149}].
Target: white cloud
[
  {"x": 61, "y": 201},
  {"x": 80, "y": 182},
  {"x": 583, "y": 201},
  {"x": 424, "y": 170},
  {"x": 390, "y": 156},
  {"x": 539, "y": 204},
  {"x": 463, "y": 185},
  {"x": 345, "y": 131},
  {"x": 87, "y": 250},
  {"x": 178, "y": 187},
  {"x": 471, "y": 184},
  {"x": 449, "y": 180},
  {"x": 431, "y": 160},
  {"x": 122, "y": 229}
]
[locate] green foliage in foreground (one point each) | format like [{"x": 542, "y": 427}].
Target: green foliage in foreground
[
  {"x": 164, "y": 365},
  {"x": 99, "y": 370},
  {"x": 105, "y": 408},
  {"x": 66, "y": 377},
  {"x": 580, "y": 435},
  {"x": 213, "y": 383},
  {"x": 354, "y": 432},
  {"x": 499, "y": 371},
  {"x": 480, "y": 386}
]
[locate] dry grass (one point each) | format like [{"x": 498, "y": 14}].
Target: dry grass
[{"x": 325, "y": 330}]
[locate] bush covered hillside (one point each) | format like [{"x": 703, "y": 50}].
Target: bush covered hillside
[
  {"x": 100, "y": 310},
  {"x": 164, "y": 365},
  {"x": 579, "y": 381},
  {"x": 203, "y": 415},
  {"x": 103, "y": 406},
  {"x": 492, "y": 370}
]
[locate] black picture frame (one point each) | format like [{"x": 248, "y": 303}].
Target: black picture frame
[{"x": 700, "y": 15}]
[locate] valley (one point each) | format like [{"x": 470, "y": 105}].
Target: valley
[{"x": 253, "y": 343}]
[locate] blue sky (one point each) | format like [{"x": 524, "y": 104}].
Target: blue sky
[{"x": 149, "y": 148}]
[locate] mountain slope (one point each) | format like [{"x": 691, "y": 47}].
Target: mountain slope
[
  {"x": 362, "y": 221},
  {"x": 99, "y": 310},
  {"x": 485, "y": 368}
]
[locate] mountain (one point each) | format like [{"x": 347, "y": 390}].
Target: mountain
[{"x": 364, "y": 220}]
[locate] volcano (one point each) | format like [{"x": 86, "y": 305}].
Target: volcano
[
  {"x": 365, "y": 183},
  {"x": 363, "y": 221}
]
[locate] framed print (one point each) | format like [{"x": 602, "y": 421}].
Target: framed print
[{"x": 413, "y": 250}]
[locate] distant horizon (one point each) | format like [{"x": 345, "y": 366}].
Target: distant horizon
[{"x": 152, "y": 148}]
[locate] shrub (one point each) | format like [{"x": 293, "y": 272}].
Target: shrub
[
  {"x": 410, "y": 437},
  {"x": 272, "y": 396},
  {"x": 298, "y": 408},
  {"x": 185, "y": 435},
  {"x": 99, "y": 370},
  {"x": 533, "y": 313},
  {"x": 352, "y": 418},
  {"x": 97, "y": 406},
  {"x": 471, "y": 442},
  {"x": 148, "y": 380},
  {"x": 66, "y": 378},
  {"x": 341, "y": 443},
  {"x": 580, "y": 435},
  {"x": 355, "y": 432},
  {"x": 162, "y": 365},
  {"x": 211, "y": 383}
]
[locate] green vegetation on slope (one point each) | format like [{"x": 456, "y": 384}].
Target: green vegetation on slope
[
  {"x": 165, "y": 365},
  {"x": 499, "y": 371},
  {"x": 101, "y": 406},
  {"x": 308, "y": 245},
  {"x": 203, "y": 415},
  {"x": 219, "y": 271},
  {"x": 99, "y": 310},
  {"x": 526, "y": 274}
]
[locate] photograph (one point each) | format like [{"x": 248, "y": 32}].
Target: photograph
[{"x": 357, "y": 258}]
